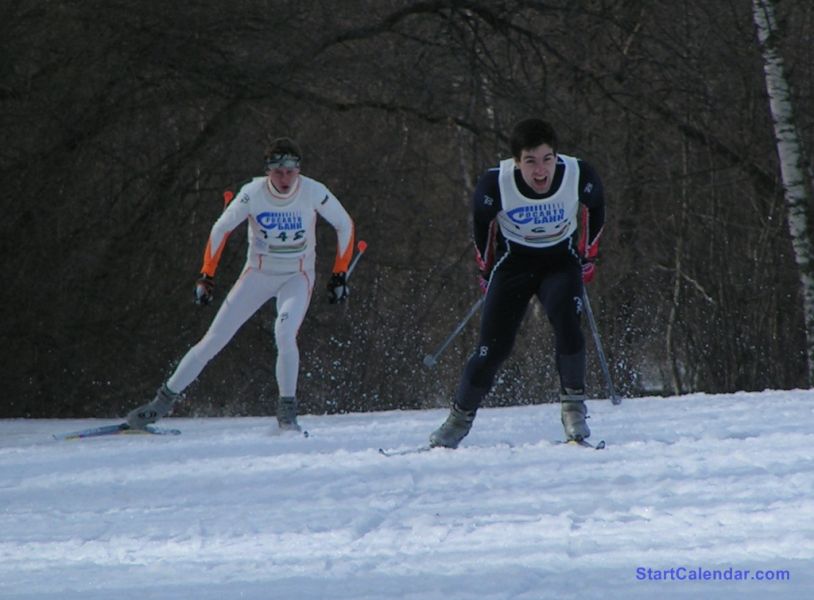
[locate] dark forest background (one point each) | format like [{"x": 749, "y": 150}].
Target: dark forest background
[{"x": 123, "y": 122}]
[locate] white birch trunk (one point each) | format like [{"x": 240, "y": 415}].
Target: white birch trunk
[{"x": 792, "y": 163}]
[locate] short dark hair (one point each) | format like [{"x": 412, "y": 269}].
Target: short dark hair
[
  {"x": 282, "y": 147},
  {"x": 530, "y": 133}
]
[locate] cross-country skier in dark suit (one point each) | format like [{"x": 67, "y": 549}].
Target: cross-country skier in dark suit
[{"x": 537, "y": 221}]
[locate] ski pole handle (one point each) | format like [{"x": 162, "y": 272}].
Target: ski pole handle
[
  {"x": 361, "y": 246},
  {"x": 431, "y": 359}
]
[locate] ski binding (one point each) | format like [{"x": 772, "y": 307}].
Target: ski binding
[{"x": 600, "y": 445}]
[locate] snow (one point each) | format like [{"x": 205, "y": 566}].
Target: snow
[{"x": 712, "y": 485}]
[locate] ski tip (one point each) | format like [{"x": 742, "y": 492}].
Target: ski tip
[
  {"x": 406, "y": 451},
  {"x": 120, "y": 429}
]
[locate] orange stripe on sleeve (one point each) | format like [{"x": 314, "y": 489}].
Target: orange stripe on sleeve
[
  {"x": 211, "y": 260},
  {"x": 343, "y": 255}
]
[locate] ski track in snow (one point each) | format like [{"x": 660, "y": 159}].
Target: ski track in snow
[{"x": 228, "y": 510}]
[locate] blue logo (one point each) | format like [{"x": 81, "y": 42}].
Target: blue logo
[
  {"x": 537, "y": 214},
  {"x": 284, "y": 221}
]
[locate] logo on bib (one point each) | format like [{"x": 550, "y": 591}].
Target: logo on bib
[
  {"x": 284, "y": 221},
  {"x": 537, "y": 214}
]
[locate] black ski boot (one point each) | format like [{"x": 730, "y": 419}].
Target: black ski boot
[
  {"x": 157, "y": 408},
  {"x": 287, "y": 414},
  {"x": 573, "y": 413},
  {"x": 454, "y": 429}
]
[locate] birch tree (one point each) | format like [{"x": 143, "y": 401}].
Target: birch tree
[{"x": 792, "y": 162}]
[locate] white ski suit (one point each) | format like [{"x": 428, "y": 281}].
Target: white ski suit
[{"x": 279, "y": 263}]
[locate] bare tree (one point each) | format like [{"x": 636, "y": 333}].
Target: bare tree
[
  {"x": 793, "y": 161},
  {"x": 123, "y": 126}
]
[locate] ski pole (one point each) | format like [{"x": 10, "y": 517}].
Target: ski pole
[
  {"x": 361, "y": 246},
  {"x": 600, "y": 353},
  {"x": 431, "y": 359}
]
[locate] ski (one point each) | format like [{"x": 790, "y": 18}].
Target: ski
[
  {"x": 289, "y": 433},
  {"x": 120, "y": 429},
  {"x": 414, "y": 450},
  {"x": 428, "y": 447},
  {"x": 600, "y": 445}
]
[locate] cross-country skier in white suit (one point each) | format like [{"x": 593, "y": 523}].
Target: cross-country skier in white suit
[{"x": 281, "y": 209}]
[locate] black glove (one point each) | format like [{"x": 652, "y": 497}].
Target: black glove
[
  {"x": 337, "y": 288},
  {"x": 204, "y": 289}
]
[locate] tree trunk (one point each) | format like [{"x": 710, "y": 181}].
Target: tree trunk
[{"x": 792, "y": 161}]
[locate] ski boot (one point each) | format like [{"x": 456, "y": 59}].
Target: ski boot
[
  {"x": 454, "y": 429},
  {"x": 573, "y": 413},
  {"x": 287, "y": 414},
  {"x": 158, "y": 407}
]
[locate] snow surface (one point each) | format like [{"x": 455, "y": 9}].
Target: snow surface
[{"x": 722, "y": 484}]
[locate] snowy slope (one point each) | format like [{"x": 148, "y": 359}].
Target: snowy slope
[{"x": 715, "y": 484}]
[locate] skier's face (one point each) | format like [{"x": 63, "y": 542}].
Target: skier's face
[
  {"x": 537, "y": 166},
  {"x": 283, "y": 178}
]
